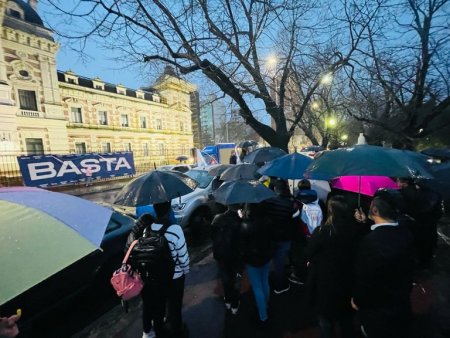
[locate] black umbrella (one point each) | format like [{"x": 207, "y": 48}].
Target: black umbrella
[
  {"x": 243, "y": 171},
  {"x": 219, "y": 169},
  {"x": 242, "y": 191},
  {"x": 155, "y": 187},
  {"x": 182, "y": 158},
  {"x": 246, "y": 144},
  {"x": 442, "y": 153},
  {"x": 263, "y": 155}
]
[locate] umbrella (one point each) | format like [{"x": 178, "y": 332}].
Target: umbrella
[
  {"x": 240, "y": 171},
  {"x": 322, "y": 188},
  {"x": 219, "y": 169},
  {"x": 289, "y": 166},
  {"x": 41, "y": 233},
  {"x": 366, "y": 185},
  {"x": 366, "y": 160},
  {"x": 242, "y": 191},
  {"x": 263, "y": 155},
  {"x": 155, "y": 187},
  {"x": 442, "y": 153},
  {"x": 247, "y": 144},
  {"x": 182, "y": 158},
  {"x": 441, "y": 181}
]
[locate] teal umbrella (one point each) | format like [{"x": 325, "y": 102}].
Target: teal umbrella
[{"x": 366, "y": 160}]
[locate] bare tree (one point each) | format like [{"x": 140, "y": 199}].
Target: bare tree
[
  {"x": 400, "y": 82},
  {"x": 228, "y": 41}
]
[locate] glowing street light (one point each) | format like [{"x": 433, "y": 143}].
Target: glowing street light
[
  {"x": 332, "y": 122},
  {"x": 271, "y": 61},
  {"x": 326, "y": 79},
  {"x": 315, "y": 105},
  {"x": 344, "y": 137}
]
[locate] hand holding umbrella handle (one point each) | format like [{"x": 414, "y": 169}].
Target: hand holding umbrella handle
[{"x": 360, "y": 216}]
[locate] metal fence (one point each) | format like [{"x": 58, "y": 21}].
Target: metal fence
[{"x": 10, "y": 174}]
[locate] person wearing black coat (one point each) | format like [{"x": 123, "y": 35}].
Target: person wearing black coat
[
  {"x": 330, "y": 252},
  {"x": 384, "y": 274},
  {"x": 257, "y": 250},
  {"x": 225, "y": 229}
]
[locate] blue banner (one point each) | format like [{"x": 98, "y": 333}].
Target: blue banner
[{"x": 51, "y": 170}]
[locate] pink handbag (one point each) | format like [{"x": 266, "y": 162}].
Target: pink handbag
[{"x": 126, "y": 281}]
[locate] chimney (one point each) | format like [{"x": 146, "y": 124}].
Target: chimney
[{"x": 33, "y": 4}]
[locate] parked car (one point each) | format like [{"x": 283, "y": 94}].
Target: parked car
[
  {"x": 183, "y": 168},
  {"x": 197, "y": 208},
  {"x": 63, "y": 303},
  {"x": 311, "y": 151}
]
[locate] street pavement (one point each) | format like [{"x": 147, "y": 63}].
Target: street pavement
[{"x": 205, "y": 315}]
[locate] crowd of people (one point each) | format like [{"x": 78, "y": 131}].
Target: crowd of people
[{"x": 355, "y": 258}]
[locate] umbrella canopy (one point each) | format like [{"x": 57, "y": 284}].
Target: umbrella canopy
[
  {"x": 365, "y": 160},
  {"x": 219, "y": 169},
  {"x": 243, "y": 171},
  {"x": 41, "y": 233},
  {"x": 442, "y": 153},
  {"x": 366, "y": 185},
  {"x": 263, "y": 155},
  {"x": 289, "y": 166},
  {"x": 155, "y": 187},
  {"x": 441, "y": 181},
  {"x": 246, "y": 144},
  {"x": 242, "y": 191},
  {"x": 182, "y": 158}
]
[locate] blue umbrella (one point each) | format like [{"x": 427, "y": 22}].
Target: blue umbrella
[{"x": 289, "y": 166}]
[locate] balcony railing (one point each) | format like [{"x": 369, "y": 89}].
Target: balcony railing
[{"x": 31, "y": 113}]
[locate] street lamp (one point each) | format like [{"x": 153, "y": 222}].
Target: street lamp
[{"x": 326, "y": 79}]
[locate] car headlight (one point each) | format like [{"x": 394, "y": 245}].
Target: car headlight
[{"x": 178, "y": 207}]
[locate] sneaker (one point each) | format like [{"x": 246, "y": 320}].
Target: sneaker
[
  {"x": 227, "y": 305},
  {"x": 151, "y": 334},
  {"x": 234, "y": 310},
  {"x": 294, "y": 279},
  {"x": 282, "y": 290}
]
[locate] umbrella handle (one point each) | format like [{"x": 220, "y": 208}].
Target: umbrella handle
[{"x": 359, "y": 192}]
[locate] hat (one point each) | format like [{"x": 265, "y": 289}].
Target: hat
[{"x": 307, "y": 196}]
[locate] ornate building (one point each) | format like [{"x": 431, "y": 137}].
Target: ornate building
[{"x": 45, "y": 111}]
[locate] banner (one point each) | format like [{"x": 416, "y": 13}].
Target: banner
[{"x": 51, "y": 170}]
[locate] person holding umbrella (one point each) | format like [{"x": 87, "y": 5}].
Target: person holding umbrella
[
  {"x": 257, "y": 249},
  {"x": 225, "y": 229}
]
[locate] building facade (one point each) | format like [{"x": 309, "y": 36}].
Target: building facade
[
  {"x": 213, "y": 120},
  {"x": 45, "y": 111}
]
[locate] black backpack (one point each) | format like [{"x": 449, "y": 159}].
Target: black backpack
[
  {"x": 152, "y": 257},
  {"x": 225, "y": 237}
]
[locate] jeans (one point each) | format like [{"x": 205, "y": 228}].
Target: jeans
[
  {"x": 279, "y": 259},
  {"x": 230, "y": 283},
  {"x": 259, "y": 280}
]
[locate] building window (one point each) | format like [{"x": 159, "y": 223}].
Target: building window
[
  {"x": 34, "y": 146},
  {"x": 127, "y": 146},
  {"x": 99, "y": 87},
  {"x": 75, "y": 115},
  {"x": 181, "y": 126},
  {"x": 106, "y": 147},
  {"x": 158, "y": 124},
  {"x": 71, "y": 80},
  {"x": 161, "y": 149},
  {"x": 124, "y": 120},
  {"x": 27, "y": 99},
  {"x": 143, "y": 122},
  {"x": 145, "y": 149},
  {"x": 80, "y": 147},
  {"x": 15, "y": 14},
  {"x": 102, "y": 118}
]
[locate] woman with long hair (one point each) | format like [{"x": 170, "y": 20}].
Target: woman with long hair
[{"x": 330, "y": 253}]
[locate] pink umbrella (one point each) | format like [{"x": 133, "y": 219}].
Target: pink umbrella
[{"x": 366, "y": 185}]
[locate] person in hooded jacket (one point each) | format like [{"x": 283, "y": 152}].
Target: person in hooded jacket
[
  {"x": 225, "y": 229},
  {"x": 257, "y": 251},
  {"x": 330, "y": 252}
]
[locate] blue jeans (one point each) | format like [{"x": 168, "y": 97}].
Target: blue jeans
[
  {"x": 259, "y": 280},
  {"x": 279, "y": 259}
]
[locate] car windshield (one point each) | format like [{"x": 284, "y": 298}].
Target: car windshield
[{"x": 201, "y": 176}]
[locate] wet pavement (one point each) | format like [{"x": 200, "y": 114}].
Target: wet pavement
[{"x": 205, "y": 315}]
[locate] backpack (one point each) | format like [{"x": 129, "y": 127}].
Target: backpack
[{"x": 152, "y": 257}]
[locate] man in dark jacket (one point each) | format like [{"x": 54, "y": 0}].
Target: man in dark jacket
[
  {"x": 279, "y": 210},
  {"x": 384, "y": 272},
  {"x": 225, "y": 229}
]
